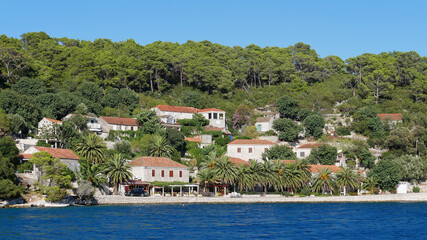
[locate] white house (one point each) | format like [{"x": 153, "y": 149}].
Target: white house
[
  {"x": 215, "y": 116},
  {"x": 47, "y": 126},
  {"x": 171, "y": 114},
  {"x": 247, "y": 149},
  {"x": 152, "y": 169},
  {"x": 93, "y": 125},
  {"x": 264, "y": 124},
  {"x": 117, "y": 124},
  {"x": 66, "y": 156},
  {"x": 304, "y": 150},
  {"x": 201, "y": 140}
]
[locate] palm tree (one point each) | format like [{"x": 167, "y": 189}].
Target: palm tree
[
  {"x": 347, "y": 179},
  {"x": 370, "y": 184},
  {"x": 225, "y": 170},
  {"x": 304, "y": 170},
  {"x": 278, "y": 169},
  {"x": 293, "y": 176},
  {"x": 210, "y": 161},
  {"x": 256, "y": 170},
  {"x": 323, "y": 181},
  {"x": 118, "y": 170},
  {"x": 159, "y": 147},
  {"x": 244, "y": 178},
  {"x": 92, "y": 173},
  {"x": 92, "y": 148},
  {"x": 206, "y": 177}
]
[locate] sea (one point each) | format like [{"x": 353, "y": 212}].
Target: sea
[{"x": 219, "y": 221}]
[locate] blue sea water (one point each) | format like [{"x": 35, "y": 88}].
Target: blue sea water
[{"x": 219, "y": 221}]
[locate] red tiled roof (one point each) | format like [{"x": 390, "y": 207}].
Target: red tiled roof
[
  {"x": 210, "y": 110},
  {"x": 251, "y": 142},
  {"x": 238, "y": 161},
  {"x": 53, "y": 120},
  {"x": 168, "y": 108},
  {"x": 390, "y": 116},
  {"x": 59, "y": 153},
  {"x": 120, "y": 121},
  {"x": 155, "y": 162},
  {"x": 25, "y": 156},
  {"x": 263, "y": 119},
  {"x": 311, "y": 145},
  {"x": 212, "y": 128},
  {"x": 193, "y": 139},
  {"x": 317, "y": 168}
]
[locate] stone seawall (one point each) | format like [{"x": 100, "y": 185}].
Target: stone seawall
[{"x": 117, "y": 200}]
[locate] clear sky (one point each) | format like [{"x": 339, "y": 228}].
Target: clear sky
[{"x": 339, "y": 27}]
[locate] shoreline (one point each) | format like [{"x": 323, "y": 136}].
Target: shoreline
[{"x": 122, "y": 200}]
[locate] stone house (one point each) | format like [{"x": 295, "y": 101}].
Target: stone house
[
  {"x": 215, "y": 116},
  {"x": 93, "y": 125},
  {"x": 264, "y": 124},
  {"x": 66, "y": 156},
  {"x": 117, "y": 124},
  {"x": 390, "y": 118},
  {"x": 247, "y": 149},
  {"x": 47, "y": 126},
  {"x": 201, "y": 140},
  {"x": 161, "y": 169},
  {"x": 304, "y": 150}
]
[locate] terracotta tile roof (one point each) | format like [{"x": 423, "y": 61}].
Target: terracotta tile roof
[
  {"x": 210, "y": 110},
  {"x": 168, "y": 108},
  {"x": 390, "y": 116},
  {"x": 251, "y": 142},
  {"x": 53, "y": 120},
  {"x": 120, "y": 121},
  {"x": 238, "y": 161},
  {"x": 212, "y": 128},
  {"x": 194, "y": 139},
  {"x": 59, "y": 153},
  {"x": 317, "y": 168},
  {"x": 155, "y": 162},
  {"x": 263, "y": 119},
  {"x": 311, "y": 145},
  {"x": 288, "y": 161},
  {"x": 25, "y": 156}
]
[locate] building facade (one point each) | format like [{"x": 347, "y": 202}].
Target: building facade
[
  {"x": 117, "y": 124},
  {"x": 47, "y": 127},
  {"x": 153, "y": 169},
  {"x": 247, "y": 149}
]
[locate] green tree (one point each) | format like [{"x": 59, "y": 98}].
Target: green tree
[
  {"x": 52, "y": 170},
  {"x": 387, "y": 173},
  {"x": 8, "y": 190},
  {"x": 288, "y": 107},
  {"x": 4, "y": 123},
  {"x": 118, "y": 171},
  {"x": 191, "y": 99},
  {"x": 323, "y": 181},
  {"x": 176, "y": 139},
  {"x": 92, "y": 148},
  {"x": 94, "y": 173},
  {"x": 17, "y": 124},
  {"x": 7, "y": 170},
  {"x": 8, "y": 149},
  {"x": 206, "y": 177},
  {"x": 279, "y": 152},
  {"x": 149, "y": 122},
  {"x": 241, "y": 116},
  {"x": 366, "y": 158},
  {"x": 225, "y": 170},
  {"x": 159, "y": 147},
  {"x": 370, "y": 183},
  {"x": 401, "y": 140},
  {"x": 413, "y": 169},
  {"x": 314, "y": 125},
  {"x": 325, "y": 155},
  {"x": 250, "y": 131},
  {"x": 28, "y": 86},
  {"x": 288, "y": 129},
  {"x": 347, "y": 179}
]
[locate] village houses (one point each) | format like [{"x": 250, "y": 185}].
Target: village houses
[{"x": 161, "y": 169}]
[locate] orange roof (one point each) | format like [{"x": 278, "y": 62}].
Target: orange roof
[
  {"x": 53, "y": 120},
  {"x": 317, "y": 168},
  {"x": 311, "y": 145},
  {"x": 210, "y": 110},
  {"x": 25, "y": 156},
  {"x": 194, "y": 139},
  {"x": 238, "y": 161},
  {"x": 212, "y": 128},
  {"x": 288, "y": 161},
  {"x": 390, "y": 116},
  {"x": 168, "y": 108},
  {"x": 251, "y": 142},
  {"x": 59, "y": 153},
  {"x": 121, "y": 121},
  {"x": 155, "y": 162}
]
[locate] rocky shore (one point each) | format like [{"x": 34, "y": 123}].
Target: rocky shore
[{"x": 118, "y": 200}]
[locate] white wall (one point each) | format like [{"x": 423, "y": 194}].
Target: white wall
[
  {"x": 216, "y": 122},
  {"x": 305, "y": 151},
  {"x": 145, "y": 174},
  {"x": 256, "y": 154}
]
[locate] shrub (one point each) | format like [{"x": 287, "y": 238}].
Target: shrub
[
  {"x": 54, "y": 194},
  {"x": 85, "y": 190},
  {"x": 305, "y": 191},
  {"x": 25, "y": 166},
  {"x": 416, "y": 189},
  {"x": 287, "y": 194},
  {"x": 343, "y": 131},
  {"x": 8, "y": 190},
  {"x": 376, "y": 190}
]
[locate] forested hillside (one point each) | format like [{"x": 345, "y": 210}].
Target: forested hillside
[{"x": 47, "y": 76}]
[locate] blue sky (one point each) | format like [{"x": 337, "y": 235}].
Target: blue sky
[{"x": 341, "y": 28}]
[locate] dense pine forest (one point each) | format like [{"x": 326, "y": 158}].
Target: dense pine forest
[{"x": 44, "y": 76}]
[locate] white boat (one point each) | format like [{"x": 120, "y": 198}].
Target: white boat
[{"x": 56, "y": 205}]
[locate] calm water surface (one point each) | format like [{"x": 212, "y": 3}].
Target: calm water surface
[{"x": 220, "y": 221}]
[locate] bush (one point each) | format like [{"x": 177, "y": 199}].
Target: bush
[
  {"x": 25, "y": 166},
  {"x": 8, "y": 190},
  {"x": 305, "y": 191},
  {"x": 85, "y": 190},
  {"x": 54, "y": 194},
  {"x": 287, "y": 194},
  {"x": 376, "y": 190},
  {"x": 343, "y": 131},
  {"x": 41, "y": 143},
  {"x": 416, "y": 189}
]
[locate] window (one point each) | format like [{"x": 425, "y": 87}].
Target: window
[
  {"x": 221, "y": 116},
  {"x": 210, "y": 116},
  {"x": 153, "y": 173},
  {"x": 163, "y": 173},
  {"x": 239, "y": 150},
  {"x": 250, "y": 150},
  {"x": 170, "y": 173},
  {"x": 302, "y": 154},
  {"x": 215, "y": 115},
  {"x": 180, "y": 173}
]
